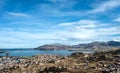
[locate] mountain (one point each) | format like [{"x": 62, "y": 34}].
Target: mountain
[
  {"x": 53, "y": 47},
  {"x": 96, "y": 44},
  {"x": 93, "y": 46}
]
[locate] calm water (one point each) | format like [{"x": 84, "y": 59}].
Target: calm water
[{"x": 30, "y": 52}]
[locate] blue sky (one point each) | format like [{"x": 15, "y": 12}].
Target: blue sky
[{"x": 31, "y": 23}]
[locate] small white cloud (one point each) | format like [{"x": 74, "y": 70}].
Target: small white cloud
[
  {"x": 18, "y": 14},
  {"x": 81, "y": 23},
  {"x": 118, "y": 40},
  {"x": 67, "y": 23},
  {"x": 86, "y": 21}
]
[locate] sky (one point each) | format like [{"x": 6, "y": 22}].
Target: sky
[{"x": 31, "y": 23}]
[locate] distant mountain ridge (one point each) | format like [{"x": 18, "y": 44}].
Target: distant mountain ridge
[
  {"x": 93, "y": 46},
  {"x": 52, "y": 47}
]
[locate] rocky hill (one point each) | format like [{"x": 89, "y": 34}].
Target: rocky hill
[
  {"x": 53, "y": 47},
  {"x": 93, "y": 46}
]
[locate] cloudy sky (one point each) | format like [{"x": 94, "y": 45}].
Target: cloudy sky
[{"x": 31, "y": 23}]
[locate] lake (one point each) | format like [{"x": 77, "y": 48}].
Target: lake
[{"x": 31, "y": 52}]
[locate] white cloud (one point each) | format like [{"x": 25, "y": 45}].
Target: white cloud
[
  {"x": 88, "y": 30},
  {"x": 73, "y": 32},
  {"x": 118, "y": 40},
  {"x": 59, "y": 8},
  {"x": 18, "y": 14},
  {"x": 79, "y": 34},
  {"x": 67, "y": 23},
  {"x": 108, "y": 5},
  {"x": 108, "y": 31},
  {"x": 84, "y": 23}
]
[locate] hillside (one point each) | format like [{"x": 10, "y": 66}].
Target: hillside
[{"x": 93, "y": 46}]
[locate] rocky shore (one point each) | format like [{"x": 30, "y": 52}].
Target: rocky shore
[{"x": 99, "y": 62}]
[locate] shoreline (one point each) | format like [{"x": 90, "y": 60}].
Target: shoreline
[
  {"x": 35, "y": 52},
  {"x": 77, "y": 62}
]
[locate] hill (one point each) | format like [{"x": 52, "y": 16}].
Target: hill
[{"x": 93, "y": 46}]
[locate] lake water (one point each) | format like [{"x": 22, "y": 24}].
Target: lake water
[{"x": 30, "y": 52}]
